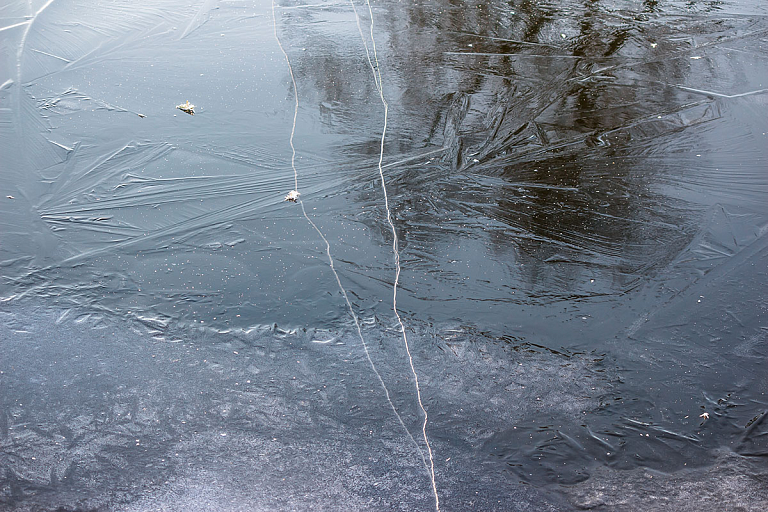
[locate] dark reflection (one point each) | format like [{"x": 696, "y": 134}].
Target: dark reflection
[
  {"x": 519, "y": 94},
  {"x": 563, "y": 183}
]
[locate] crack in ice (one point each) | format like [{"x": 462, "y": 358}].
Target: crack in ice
[
  {"x": 325, "y": 240},
  {"x": 24, "y": 39},
  {"x": 376, "y": 70}
]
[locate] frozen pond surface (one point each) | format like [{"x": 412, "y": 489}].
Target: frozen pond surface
[{"x": 580, "y": 196}]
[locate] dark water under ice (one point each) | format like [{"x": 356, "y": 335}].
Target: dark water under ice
[{"x": 580, "y": 196}]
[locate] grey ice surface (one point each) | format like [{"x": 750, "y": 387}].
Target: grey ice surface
[
  {"x": 579, "y": 192},
  {"x": 105, "y": 415},
  {"x": 731, "y": 483},
  {"x": 108, "y": 415}
]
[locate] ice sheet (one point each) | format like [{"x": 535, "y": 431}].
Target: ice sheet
[{"x": 567, "y": 199}]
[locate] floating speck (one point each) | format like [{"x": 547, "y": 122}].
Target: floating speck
[{"x": 187, "y": 107}]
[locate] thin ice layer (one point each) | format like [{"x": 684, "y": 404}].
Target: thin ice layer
[{"x": 584, "y": 179}]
